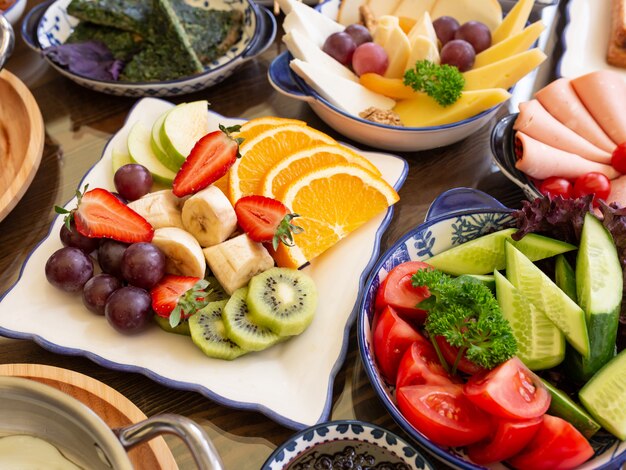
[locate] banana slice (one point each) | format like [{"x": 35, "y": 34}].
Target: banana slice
[
  {"x": 182, "y": 252},
  {"x": 209, "y": 216},
  {"x": 160, "y": 209}
]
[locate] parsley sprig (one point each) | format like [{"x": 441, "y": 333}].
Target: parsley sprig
[
  {"x": 467, "y": 315},
  {"x": 444, "y": 83}
]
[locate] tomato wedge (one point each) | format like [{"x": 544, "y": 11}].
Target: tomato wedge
[
  {"x": 450, "y": 354},
  {"x": 508, "y": 439},
  {"x": 443, "y": 414},
  {"x": 557, "y": 445},
  {"x": 397, "y": 291},
  {"x": 510, "y": 391},
  {"x": 392, "y": 336},
  {"x": 420, "y": 366}
]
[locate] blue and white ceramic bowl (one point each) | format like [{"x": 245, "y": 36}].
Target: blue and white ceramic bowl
[
  {"x": 49, "y": 24},
  {"x": 14, "y": 12},
  {"x": 455, "y": 217},
  {"x": 318, "y": 436}
]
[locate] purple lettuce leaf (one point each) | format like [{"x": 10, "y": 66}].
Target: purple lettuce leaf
[{"x": 91, "y": 59}]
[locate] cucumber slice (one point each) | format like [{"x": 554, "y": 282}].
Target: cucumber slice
[
  {"x": 157, "y": 145},
  {"x": 141, "y": 152},
  {"x": 604, "y": 396},
  {"x": 564, "y": 407},
  {"x": 599, "y": 284},
  {"x": 565, "y": 277},
  {"x": 548, "y": 298},
  {"x": 182, "y": 128},
  {"x": 486, "y": 279},
  {"x": 540, "y": 344},
  {"x": 485, "y": 254}
]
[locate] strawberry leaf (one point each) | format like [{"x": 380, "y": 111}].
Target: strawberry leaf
[{"x": 285, "y": 231}]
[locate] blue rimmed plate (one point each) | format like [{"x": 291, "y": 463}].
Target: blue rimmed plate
[{"x": 290, "y": 383}]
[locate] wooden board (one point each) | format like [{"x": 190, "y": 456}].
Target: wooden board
[{"x": 113, "y": 407}]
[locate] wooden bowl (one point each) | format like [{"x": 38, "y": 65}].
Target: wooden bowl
[{"x": 21, "y": 140}]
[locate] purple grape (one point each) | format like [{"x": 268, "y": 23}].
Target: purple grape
[
  {"x": 445, "y": 28},
  {"x": 143, "y": 265},
  {"x": 129, "y": 309},
  {"x": 69, "y": 269},
  {"x": 71, "y": 237},
  {"x": 340, "y": 46},
  {"x": 110, "y": 256},
  {"x": 458, "y": 53},
  {"x": 132, "y": 181},
  {"x": 476, "y": 33},
  {"x": 359, "y": 34},
  {"x": 97, "y": 290}
]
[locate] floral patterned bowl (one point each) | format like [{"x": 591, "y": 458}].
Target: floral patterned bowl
[
  {"x": 369, "y": 437},
  {"x": 455, "y": 217}
]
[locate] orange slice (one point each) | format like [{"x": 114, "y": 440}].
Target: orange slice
[
  {"x": 262, "y": 152},
  {"x": 332, "y": 201},
  {"x": 254, "y": 127},
  {"x": 297, "y": 164}
]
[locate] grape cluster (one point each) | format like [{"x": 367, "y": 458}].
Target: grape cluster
[
  {"x": 354, "y": 47},
  {"x": 461, "y": 43}
]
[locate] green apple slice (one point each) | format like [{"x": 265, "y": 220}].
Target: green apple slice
[
  {"x": 157, "y": 145},
  {"x": 182, "y": 128},
  {"x": 141, "y": 152}
]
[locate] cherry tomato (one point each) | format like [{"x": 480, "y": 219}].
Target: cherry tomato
[
  {"x": 450, "y": 354},
  {"x": 557, "y": 445},
  {"x": 508, "y": 439},
  {"x": 443, "y": 414},
  {"x": 555, "y": 186},
  {"x": 392, "y": 336},
  {"x": 618, "y": 159},
  {"x": 510, "y": 391},
  {"x": 420, "y": 365},
  {"x": 397, "y": 290},
  {"x": 592, "y": 183}
]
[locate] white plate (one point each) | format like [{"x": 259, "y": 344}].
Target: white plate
[
  {"x": 585, "y": 38},
  {"x": 290, "y": 383}
]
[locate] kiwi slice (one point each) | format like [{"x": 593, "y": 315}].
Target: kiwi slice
[
  {"x": 164, "y": 323},
  {"x": 208, "y": 332},
  {"x": 241, "y": 329},
  {"x": 283, "y": 300}
]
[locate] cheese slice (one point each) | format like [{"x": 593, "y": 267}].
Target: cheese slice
[
  {"x": 422, "y": 48},
  {"x": 423, "y": 111},
  {"x": 382, "y": 7},
  {"x": 413, "y": 8},
  {"x": 514, "y": 21},
  {"x": 347, "y": 95},
  {"x": 310, "y": 23},
  {"x": 301, "y": 47},
  {"x": 349, "y": 12},
  {"x": 423, "y": 27},
  {"x": 488, "y": 12},
  {"x": 510, "y": 46},
  {"x": 389, "y": 36},
  {"x": 504, "y": 73}
]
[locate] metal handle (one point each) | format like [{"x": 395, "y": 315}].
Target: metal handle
[
  {"x": 198, "y": 442},
  {"x": 459, "y": 200},
  {"x": 7, "y": 40}
]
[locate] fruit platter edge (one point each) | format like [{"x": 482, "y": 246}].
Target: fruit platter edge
[{"x": 290, "y": 383}]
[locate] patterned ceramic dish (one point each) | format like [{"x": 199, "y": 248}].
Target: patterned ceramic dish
[
  {"x": 456, "y": 216},
  {"x": 369, "y": 437},
  {"x": 49, "y": 25}
]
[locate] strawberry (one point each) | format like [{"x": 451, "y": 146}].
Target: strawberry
[
  {"x": 266, "y": 220},
  {"x": 207, "y": 162},
  {"x": 178, "y": 297},
  {"x": 102, "y": 215}
]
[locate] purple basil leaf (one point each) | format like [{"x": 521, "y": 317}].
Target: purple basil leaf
[{"x": 91, "y": 59}]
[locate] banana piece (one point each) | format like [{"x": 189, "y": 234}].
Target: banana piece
[
  {"x": 182, "y": 252},
  {"x": 235, "y": 261},
  {"x": 160, "y": 209},
  {"x": 209, "y": 216}
]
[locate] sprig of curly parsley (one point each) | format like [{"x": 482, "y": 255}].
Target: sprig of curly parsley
[{"x": 443, "y": 83}]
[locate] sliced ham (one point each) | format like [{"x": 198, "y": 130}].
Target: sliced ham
[
  {"x": 604, "y": 94},
  {"x": 534, "y": 121},
  {"x": 618, "y": 191},
  {"x": 560, "y": 100},
  {"x": 539, "y": 160}
]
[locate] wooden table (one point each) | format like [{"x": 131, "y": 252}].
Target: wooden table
[{"x": 78, "y": 124}]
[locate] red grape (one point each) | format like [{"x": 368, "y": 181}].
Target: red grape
[
  {"x": 476, "y": 33},
  {"x": 445, "y": 28},
  {"x": 132, "y": 181},
  {"x": 71, "y": 237},
  {"x": 458, "y": 53},
  {"x": 129, "y": 310},
  {"x": 97, "y": 290},
  {"x": 143, "y": 265},
  {"x": 69, "y": 269},
  {"x": 110, "y": 256},
  {"x": 340, "y": 46},
  {"x": 359, "y": 34},
  {"x": 370, "y": 57}
]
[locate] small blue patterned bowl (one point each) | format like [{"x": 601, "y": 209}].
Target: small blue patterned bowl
[
  {"x": 49, "y": 24},
  {"x": 319, "y": 437},
  {"x": 455, "y": 217}
]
